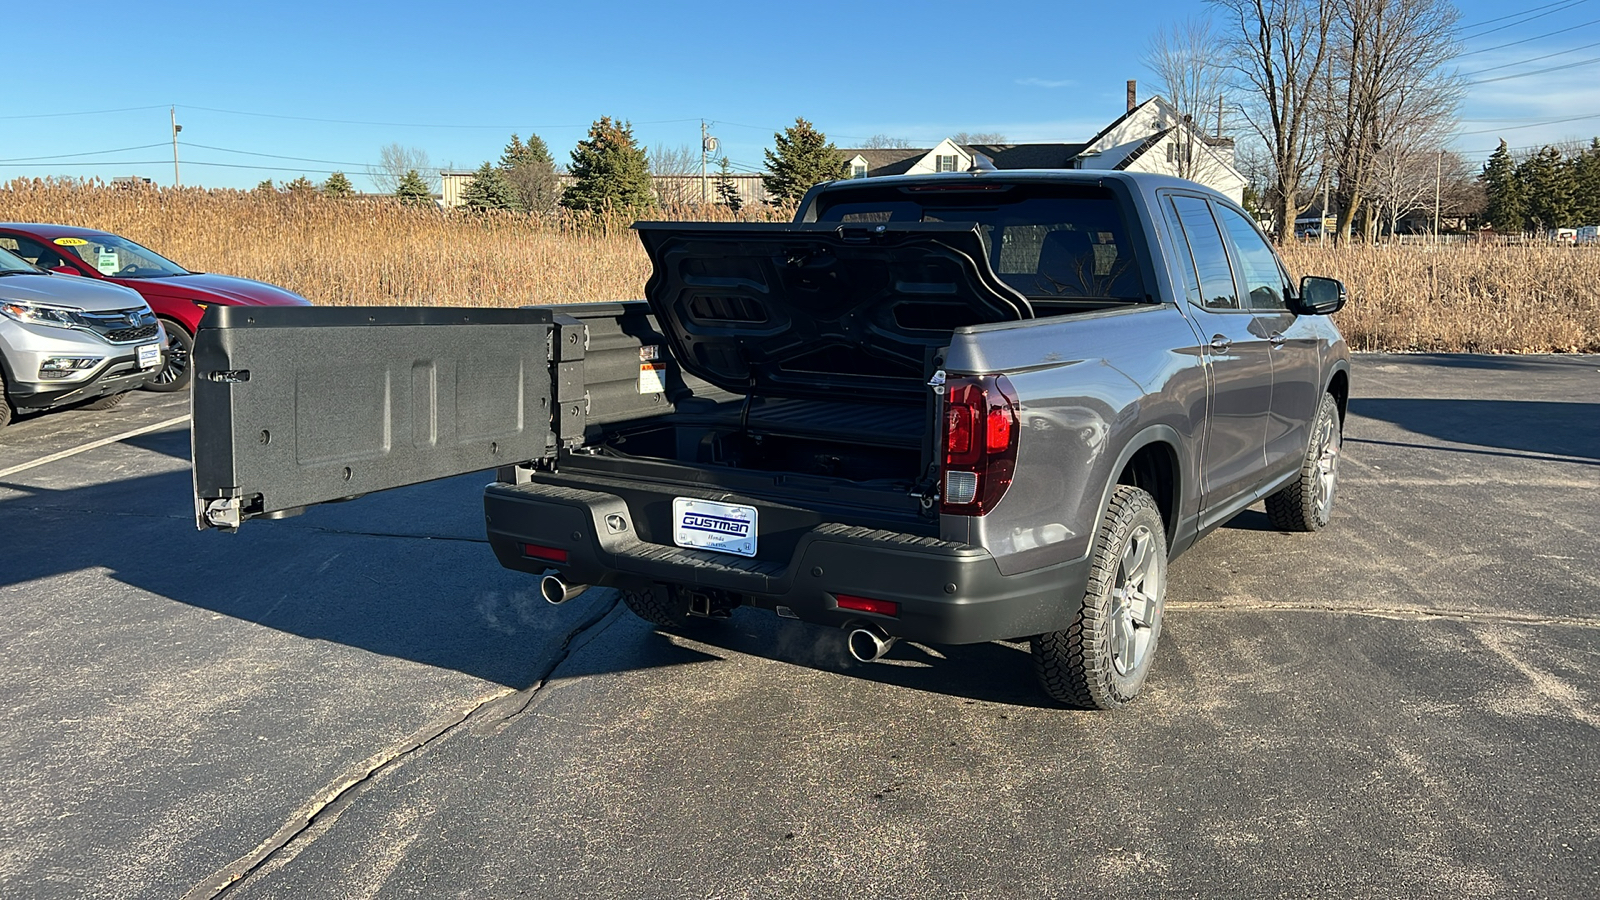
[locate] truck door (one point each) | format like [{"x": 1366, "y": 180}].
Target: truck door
[
  {"x": 296, "y": 406},
  {"x": 1238, "y": 350}
]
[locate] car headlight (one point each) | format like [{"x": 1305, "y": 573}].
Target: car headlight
[{"x": 41, "y": 314}]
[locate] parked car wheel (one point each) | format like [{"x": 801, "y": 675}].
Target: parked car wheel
[
  {"x": 661, "y": 605},
  {"x": 1101, "y": 660},
  {"x": 5, "y": 403},
  {"x": 105, "y": 401},
  {"x": 1307, "y": 503},
  {"x": 174, "y": 376}
]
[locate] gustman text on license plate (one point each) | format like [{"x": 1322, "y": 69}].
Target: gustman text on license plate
[{"x": 709, "y": 525}]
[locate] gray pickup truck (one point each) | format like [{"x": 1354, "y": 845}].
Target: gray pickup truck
[{"x": 951, "y": 409}]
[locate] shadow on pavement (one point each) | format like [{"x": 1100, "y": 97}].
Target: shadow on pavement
[{"x": 1558, "y": 429}]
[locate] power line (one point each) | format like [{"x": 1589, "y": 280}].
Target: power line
[
  {"x": 1582, "y": 62},
  {"x": 1530, "y": 125},
  {"x": 1523, "y": 62},
  {"x": 1536, "y": 37},
  {"x": 238, "y": 112},
  {"x": 330, "y": 162},
  {"x": 1511, "y": 16},
  {"x": 1528, "y": 19},
  {"x": 19, "y": 159},
  {"x": 87, "y": 112}
]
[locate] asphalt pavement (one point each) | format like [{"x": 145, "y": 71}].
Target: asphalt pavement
[{"x": 359, "y": 702}]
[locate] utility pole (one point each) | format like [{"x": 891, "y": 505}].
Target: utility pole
[
  {"x": 1219, "y": 117},
  {"x": 1438, "y": 178},
  {"x": 704, "y": 197},
  {"x": 176, "y": 182},
  {"x": 1322, "y": 217}
]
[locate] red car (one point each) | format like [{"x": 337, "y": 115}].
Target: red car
[{"x": 178, "y": 296}]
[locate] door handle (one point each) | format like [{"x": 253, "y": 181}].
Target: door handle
[
  {"x": 1276, "y": 339},
  {"x": 1220, "y": 344}
]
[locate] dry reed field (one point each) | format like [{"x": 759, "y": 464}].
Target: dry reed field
[{"x": 1481, "y": 299}]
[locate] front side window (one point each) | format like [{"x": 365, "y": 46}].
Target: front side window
[
  {"x": 1210, "y": 254},
  {"x": 117, "y": 257},
  {"x": 1263, "y": 279}
]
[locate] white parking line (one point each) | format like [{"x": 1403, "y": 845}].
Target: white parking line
[{"x": 92, "y": 445}]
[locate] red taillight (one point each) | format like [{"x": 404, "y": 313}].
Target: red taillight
[
  {"x": 978, "y": 464},
  {"x": 868, "y": 605},
  {"x": 548, "y": 554}
]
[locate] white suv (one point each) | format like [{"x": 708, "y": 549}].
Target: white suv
[{"x": 68, "y": 340}]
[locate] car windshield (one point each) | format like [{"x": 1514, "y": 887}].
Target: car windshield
[
  {"x": 1046, "y": 241},
  {"x": 117, "y": 257},
  {"x": 12, "y": 264}
]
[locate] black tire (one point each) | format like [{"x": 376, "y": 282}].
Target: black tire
[
  {"x": 175, "y": 374},
  {"x": 1102, "y": 659},
  {"x": 661, "y": 605},
  {"x": 5, "y": 403},
  {"x": 1306, "y": 504},
  {"x": 105, "y": 401}
]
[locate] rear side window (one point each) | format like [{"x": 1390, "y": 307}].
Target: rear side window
[
  {"x": 1263, "y": 279},
  {"x": 1210, "y": 254}
]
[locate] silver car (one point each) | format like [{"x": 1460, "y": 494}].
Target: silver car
[{"x": 70, "y": 340}]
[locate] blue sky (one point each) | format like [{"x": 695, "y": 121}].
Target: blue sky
[{"x": 457, "y": 81}]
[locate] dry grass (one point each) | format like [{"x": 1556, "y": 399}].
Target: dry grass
[{"x": 1525, "y": 299}]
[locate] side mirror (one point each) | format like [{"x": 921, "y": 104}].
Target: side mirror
[
  {"x": 1320, "y": 296},
  {"x": 64, "y": 270}
]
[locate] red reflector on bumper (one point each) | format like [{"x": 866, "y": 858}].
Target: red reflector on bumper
[
  {"x": 868, "y": 605},
  {"x": 548, "y": 554}
]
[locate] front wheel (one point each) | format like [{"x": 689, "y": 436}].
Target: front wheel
[
  {"x": 174, "y": 376},
  {"x": 1101, "y": 660},
  {"x": 1306, "y": 504}
]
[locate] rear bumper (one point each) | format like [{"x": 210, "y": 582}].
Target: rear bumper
[{"x": 947, "y": 593}]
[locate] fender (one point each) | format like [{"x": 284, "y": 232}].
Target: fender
[{"x": 1152, "y": 434}]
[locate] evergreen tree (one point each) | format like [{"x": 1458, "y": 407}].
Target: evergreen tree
[
  {"x": 412, "y": 190},
  {"x": 727, "y": 192},
  {"x": 610, "y": 172},
  {"x": 1507, "y": 208},
  {"x": 488, "y": 189},
  {"x": 531, "y": 173},
  {"x": 802, "y": 157},
  {"x": 266, "y": 187},
  {"x": 1547, "y": 180},
  {"x": 338, "y": 186},
  {"x": 1586, "y": 175},
  {"x": 301, "y": 187}
]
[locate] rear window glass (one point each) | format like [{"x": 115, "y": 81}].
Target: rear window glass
[{"x": 1047, "y": 242}]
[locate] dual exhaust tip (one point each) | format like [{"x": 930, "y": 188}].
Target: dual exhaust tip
[{"x": 867, "y": 643}]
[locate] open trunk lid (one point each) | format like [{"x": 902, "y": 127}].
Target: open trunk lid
[{"x": 813, "y": 310}]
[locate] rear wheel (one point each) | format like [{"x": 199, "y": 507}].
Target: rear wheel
[
  {"x": 1100, "y": 661},
  {"x": 661, "y": 605},
  {"x": 174, "y": 376},
  {"x": 5, "y": 403},
  {"x": 1307, "y": 503},
  {"x": 106, "y": 401}
]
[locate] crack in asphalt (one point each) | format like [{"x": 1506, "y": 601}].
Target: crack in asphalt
[
  {"x": 1422, "y": 613},
  {"x": 328, "y": 804}
]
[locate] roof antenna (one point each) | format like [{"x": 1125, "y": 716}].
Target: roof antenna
[{"x": 980, "y": 164}]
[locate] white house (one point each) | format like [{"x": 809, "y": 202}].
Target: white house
[{"x": 1150, "y": 137}]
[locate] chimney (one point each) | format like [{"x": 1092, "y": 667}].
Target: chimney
[{"x": 1133, "y": 94}]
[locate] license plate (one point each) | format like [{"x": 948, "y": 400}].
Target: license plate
[
  {"x": 149, "y": 356},
  {"x": 723, "y": 527}
]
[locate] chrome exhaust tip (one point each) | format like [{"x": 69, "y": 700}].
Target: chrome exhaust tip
[
  {"x": 557, "y": 592},
  {"x": 869, "y": 642}
]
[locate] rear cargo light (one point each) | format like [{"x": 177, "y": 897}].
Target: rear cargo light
[
  {"x": 868, "y": 605},
  {"x": 980, "y": 443},
  {"x": 548, "y": 554}
]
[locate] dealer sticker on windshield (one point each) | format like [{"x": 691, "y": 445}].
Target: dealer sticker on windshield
[
  {"x": 149, "y": 356},
  {"x": 704, "y": 525}
]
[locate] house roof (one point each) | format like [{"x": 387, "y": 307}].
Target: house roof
[
  {"x": 1029, "y": 156},
  {"x": 1144, "y": 146},
  {"x": 887, "y": 161}
]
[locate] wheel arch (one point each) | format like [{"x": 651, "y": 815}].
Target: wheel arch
[
  {"x": 1339, "y": 387},
  {"x": 1151, "y": 462}
]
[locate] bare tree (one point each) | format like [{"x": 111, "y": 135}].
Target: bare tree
[
  {"x": 1186, "y": 59},
  {"x": 1387, "y": 89},
  {"x": 968, "y": 138},
  {"x": 885, "y": 142},
  {"x": 1278, "y": 50},
  {"x": 394, "y": 161},
  {"x": 675, "y": 172}
]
